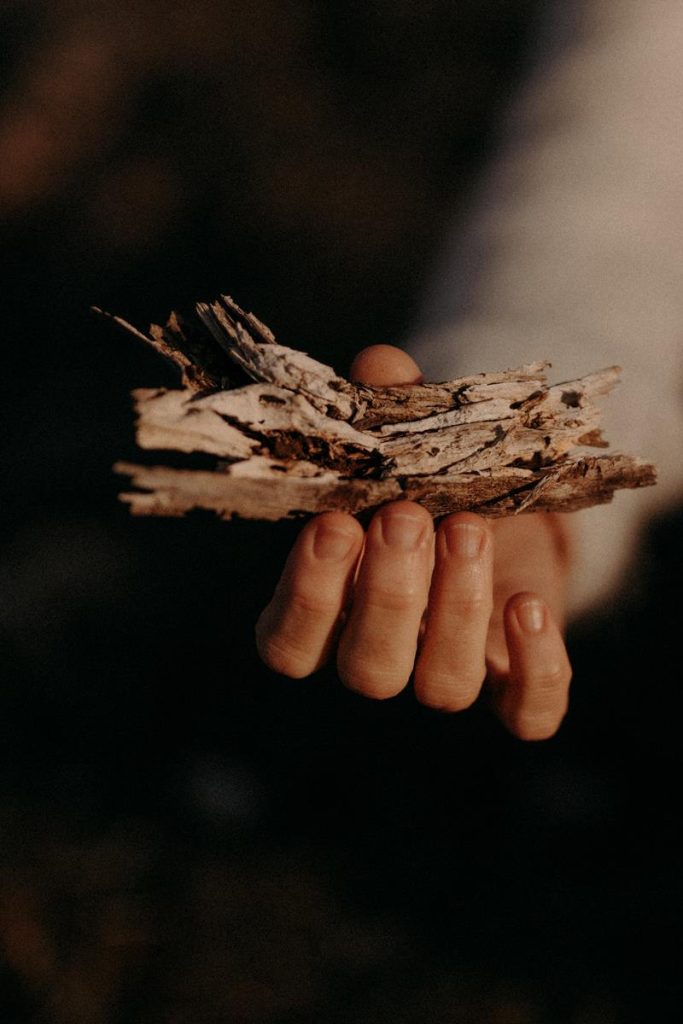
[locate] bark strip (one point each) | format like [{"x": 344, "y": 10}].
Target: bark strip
[{"x": 290, "y": 437}]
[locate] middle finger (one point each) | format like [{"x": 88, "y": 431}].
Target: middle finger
[{"x": 377, "y": 648}]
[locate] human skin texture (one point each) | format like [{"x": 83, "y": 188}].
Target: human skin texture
[{"x": 473, "y": 604}]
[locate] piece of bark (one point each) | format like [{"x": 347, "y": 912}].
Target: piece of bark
[{"x": 300, "y": 439}]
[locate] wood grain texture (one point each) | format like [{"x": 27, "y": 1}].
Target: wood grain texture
[{"x": 290, "y": 437}]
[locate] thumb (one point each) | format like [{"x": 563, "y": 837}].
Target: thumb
[{"x": 385, "y": 366}]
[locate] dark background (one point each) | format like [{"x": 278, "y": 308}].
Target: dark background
[{"x": 183, "y": 836}]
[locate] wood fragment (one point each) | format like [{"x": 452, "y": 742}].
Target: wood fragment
[{"x": 299, "y": 439}]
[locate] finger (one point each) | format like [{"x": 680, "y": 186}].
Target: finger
[
  {"x": 451, "y": 666},
  {"x": 385, "y": 365},
  {"x": 530, "y": 554},
  {"x": 296, "y": 630},
  {"x": 533, "y": 701},
  {"x": 378, "y": 644}
]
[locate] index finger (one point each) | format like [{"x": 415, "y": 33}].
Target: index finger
[{"x": 295, "y": 632}]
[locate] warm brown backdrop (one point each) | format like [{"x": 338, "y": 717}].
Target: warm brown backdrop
[{"x": 183, "y": 837}]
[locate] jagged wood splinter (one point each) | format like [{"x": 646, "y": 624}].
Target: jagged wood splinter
[{"x": 301, "y": 439}]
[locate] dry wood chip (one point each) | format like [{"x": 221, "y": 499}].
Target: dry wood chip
[{"x": 290, "y": 437}]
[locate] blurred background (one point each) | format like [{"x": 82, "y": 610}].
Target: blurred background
[{"x": 185, "y": 837}]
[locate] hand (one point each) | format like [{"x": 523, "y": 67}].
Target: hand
[{"x": 476, "y": 601}]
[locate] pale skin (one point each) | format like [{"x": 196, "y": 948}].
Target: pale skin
[{"x": 474, "y": 605}]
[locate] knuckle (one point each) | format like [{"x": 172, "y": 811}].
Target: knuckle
[
  {"x": 370, "y": 681},
  {"x": 467, "y": 608},
  {"x": 541, "y": 726},
  {"x": 283, "y": 655},
  {"x": 552, "y": 679},
  {"x": 451, "y": 702},
  {"x": 388, "y": 599},
  {"x": 308, "y": 604},
  {"x": 448, "y": 693}
]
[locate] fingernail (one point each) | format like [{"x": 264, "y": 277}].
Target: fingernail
[
  {"x": 464, "y": 539},
  {"x": 331, "y": 544},
  {"x": 531, "y": 616},
  {"x": 404, "y": 532}
]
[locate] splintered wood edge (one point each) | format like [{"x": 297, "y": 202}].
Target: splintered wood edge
[
  {"x": 496, "y": 443},
  {"x": 508, "y": 491}
]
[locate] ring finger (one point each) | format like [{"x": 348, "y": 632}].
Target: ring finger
[{"x": 451, "y": 668}]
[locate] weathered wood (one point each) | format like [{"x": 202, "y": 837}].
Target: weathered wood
[
  {"x": 300, "y": 439},
  {"x": 260, "y": 488}
]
